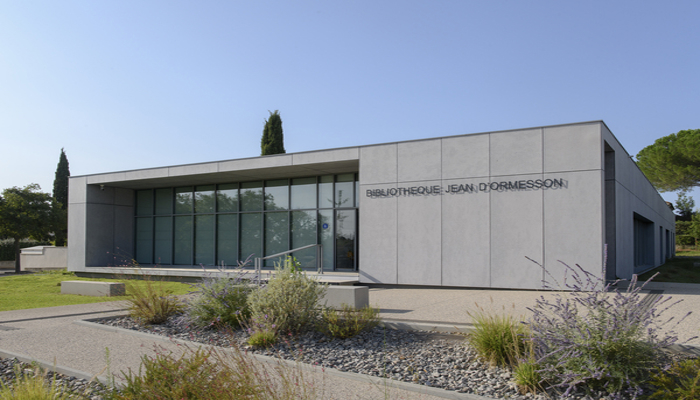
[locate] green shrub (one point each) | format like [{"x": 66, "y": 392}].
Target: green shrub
[
  {"x": 498, "y": 339},
  {"x": 223, "y": 300},
  {"x": 290, "y": 296},
  {"x": 212, "y": 374},
  {"x": 263, "y": 339},
  {"x": 598, "y": 338},
  {"x": 263, "y": 330},
  {"x": 31, "y": 385},
  {"x": 151, "y": 303},
  {"x": 680, "y": 382},
  {"x": 527, "y": 376},
  {"x": 347, "y": 322}
]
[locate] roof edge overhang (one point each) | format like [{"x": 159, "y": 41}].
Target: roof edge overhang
[{"x": 279, "y": 166}]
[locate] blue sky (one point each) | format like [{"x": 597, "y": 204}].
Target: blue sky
[{"x": 137, "y": 84}]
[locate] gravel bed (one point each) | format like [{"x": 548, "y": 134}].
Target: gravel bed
[
  {"x": 81, "y": 388},
  {"x": 426, "y": 358}
]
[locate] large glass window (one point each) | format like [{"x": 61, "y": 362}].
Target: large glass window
[
  {"x": 164, "y": 241},
  {"x": 144, "y": 202},
  {"x": 251, "y": 196},
  {"x": 227, "y": 239},
  {"x": 344, "y": 191},
  {"x": 227, "y": 197},
  {"x": 204, "y": 240},
  {"x": 204, "y": 199},
  {"x": 183, "y": 240},
  {"x": 164, "y": 201},
  {"x": 183, "y": 200},
  {"x": 304, "y": 228},
  {"x": 276, "y": 234},
  {"x": 326, "y": 237},
  {"x": 325, "y": 191},
  {"x": 251, "y": 235},
  {"x": 144, "y": 240},
  {"x": 225, "y": 223},
  {"x": 276, "y": 195},
  {"x": 303, "y": 193}
]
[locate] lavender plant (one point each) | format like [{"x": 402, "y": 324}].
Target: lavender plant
[
  {"x": 262, "y": 330},
  {"x": 599, "y": 339},
  {"x": 222, "y": 300}
]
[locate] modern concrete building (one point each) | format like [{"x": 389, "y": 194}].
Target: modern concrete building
[{"x": 460, "y": 211}]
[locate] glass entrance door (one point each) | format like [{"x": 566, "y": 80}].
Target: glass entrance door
[{"x": 346, "y": 240}]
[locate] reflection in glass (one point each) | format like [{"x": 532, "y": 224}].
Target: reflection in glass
[
  {"x": 164, "y": 201},
  {"x": 325, "y": 222},
  {"x": 344, "y": 190},
  {"x": 183, "y": 200},
  {"x": 303, "y": 193},
  {"x": 325, "y": 191},
  {"x": 164, "y": 240},
  {"x": 204, "y": 240},
  {"x": 183, "y": 240},
  {"x": 144, "y": 202},
  {"x": 251, "y": 196},
  {"x": 345, "y": 239},
  {"x": 251, "y": 236},
  {"x": 204, "y": 199},
  {"x": 227, "y": 239},
  {"x": 144, "y": 240},
  {"x": 277, "y": 195},
  {"x": 222, "y": 224},
  {"x": 304, "y": 228},
  {"x": 227, "y": 197},
  {"x": 276, "y": 234}
]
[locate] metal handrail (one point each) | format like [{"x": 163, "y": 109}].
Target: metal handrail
[{"x": 319, "y": 259}]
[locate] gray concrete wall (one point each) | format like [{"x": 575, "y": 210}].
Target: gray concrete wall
[
  {"x": 100, "y": 225},
  {"x": 481, "y": 238},
  {"x": 634, "y": 194},
  {"x": 43, "y": 258}
]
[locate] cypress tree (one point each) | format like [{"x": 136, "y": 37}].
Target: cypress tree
[
  {"x": 272, "y": 139},
  {"x": 60, "y": 194}
]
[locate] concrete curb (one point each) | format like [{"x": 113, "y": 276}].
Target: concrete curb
[
  {"x": 692, "y": 287},
  {"x": 54, "y": 367},
  {"x": 432, "y": 326},
  {"x": 377, "y": 381}
]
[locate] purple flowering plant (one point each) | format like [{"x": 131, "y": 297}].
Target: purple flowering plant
[{"x": 596, "y": 337}]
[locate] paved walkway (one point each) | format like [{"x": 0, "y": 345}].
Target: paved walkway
[{"x": 56, "y": 336}]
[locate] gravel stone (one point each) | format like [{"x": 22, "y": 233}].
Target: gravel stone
[
  {"x": 80, "y": 388},
  {"x": 427, "y": 358}
]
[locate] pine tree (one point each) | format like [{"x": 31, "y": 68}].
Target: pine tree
[
  {"x": 60, "y": 193},
  {"x": 672, "y": 162},
  {"x": 272, "y": 139}
]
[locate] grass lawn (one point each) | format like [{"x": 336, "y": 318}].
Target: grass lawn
[
  {"x": 43, "y": 289},
  {"x": 687, "y": 253},
  {"x": 678, "y": 269}
]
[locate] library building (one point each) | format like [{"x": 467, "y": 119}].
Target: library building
[{"x": 456, "y": 211}]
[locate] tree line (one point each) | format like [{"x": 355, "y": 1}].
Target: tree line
[
  {"x": 672, "y": 164},
  {"x": 29, "y": 213}
]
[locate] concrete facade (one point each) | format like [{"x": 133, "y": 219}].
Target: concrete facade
[{"x": 462, "y": 211}]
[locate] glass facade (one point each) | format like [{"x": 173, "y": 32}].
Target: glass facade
[{"x": 222, "y": 224}]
